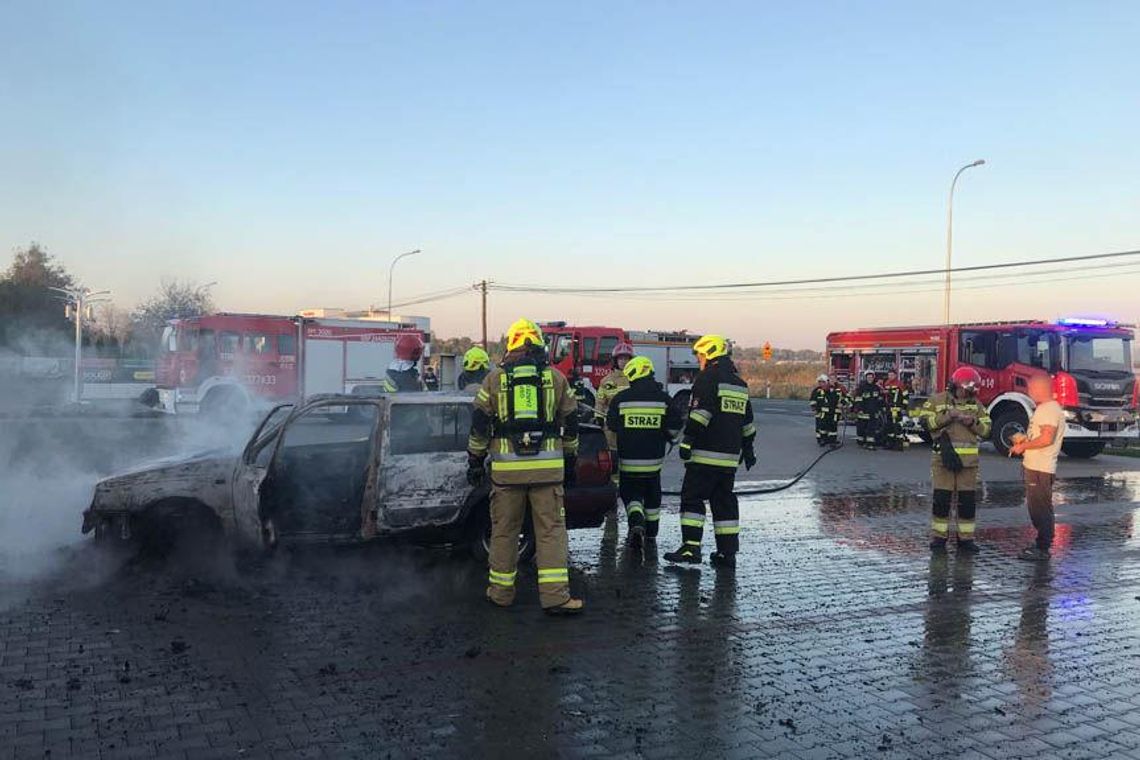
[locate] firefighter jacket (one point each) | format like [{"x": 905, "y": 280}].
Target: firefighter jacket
[
  {"x": 828, "y": 401},
  {"x": 935, "y": 415},
  {"x": 525, "y": 418},
  {"x": 720, "y": 417},
  {"x": 611, "y": 385},
  {"x": 868, "y": 399},
  {"x": 469, "y": 378},
  {"x": 896, "y": 396},
  {"x": 643, "y": 420},
  {"x": 402, "y": 380}
]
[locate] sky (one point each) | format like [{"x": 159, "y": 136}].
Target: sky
[{"x": 288, "y": 151}]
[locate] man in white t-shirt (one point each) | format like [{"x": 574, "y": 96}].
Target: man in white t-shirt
[{"x": 1040, "y": 450}]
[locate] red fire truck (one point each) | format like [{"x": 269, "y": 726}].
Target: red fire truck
[
  {"x": 1090, "y": 361},
  {"x": 584, "y": 353},
  {"x": 222, "y": 362}
]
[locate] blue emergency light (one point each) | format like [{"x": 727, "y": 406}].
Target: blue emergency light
[{"x": 1083, "y": 322}]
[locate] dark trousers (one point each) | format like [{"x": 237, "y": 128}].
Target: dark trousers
[
  {"x": 896, "y": 438},
  {"x": 867, "y": 429},
  {"x": 642, "y": 499},
  {"x": 1039, "y": 499},
  {"x": 827, "y": 427},
  {"x": 713, "y": 484}
]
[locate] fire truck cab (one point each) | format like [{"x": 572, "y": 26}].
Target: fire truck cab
[
  {"x": 223, "y": 363},
  {"x": 583, "y": 354},
  {"x": 1090, "y": 362}
]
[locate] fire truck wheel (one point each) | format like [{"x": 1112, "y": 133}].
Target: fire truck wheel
[
  {"x": 1008, "y": 423},
  {"x": 223, "y": 404},
  {"x": 1082, "y": 449}
]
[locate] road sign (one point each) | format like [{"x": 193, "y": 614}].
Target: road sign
[{"x": 767, "y": 351}]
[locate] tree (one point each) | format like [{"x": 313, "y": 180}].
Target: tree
[
  {"x": 31, "y": 314},
  {"x": 174, "y": 300}
]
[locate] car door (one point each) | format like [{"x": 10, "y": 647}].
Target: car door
[
  {"x": 423, "y": 471},
  {"x": 250, "y": 472},
  {"x": 323, "y": 462}
]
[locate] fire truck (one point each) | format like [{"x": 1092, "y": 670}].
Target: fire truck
[
  {"x": 583, "y": 354},
  {"x": 221, "y": 363},
  {"x": 1090, "y": 361}
]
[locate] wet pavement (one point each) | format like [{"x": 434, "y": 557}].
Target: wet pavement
[{"x": 838, "y": 636}]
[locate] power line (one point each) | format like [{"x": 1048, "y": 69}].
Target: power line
[
  {"x": 808, "y": 281},
  {"x": 438, "y": 295}
]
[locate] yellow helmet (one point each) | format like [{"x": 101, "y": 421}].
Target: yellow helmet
[
  {"x": 475, "y": 358},
  {"x": 711, "y": 347},
  {"x": 637, "y": 368},
  {"x": 522, "y": 332}
]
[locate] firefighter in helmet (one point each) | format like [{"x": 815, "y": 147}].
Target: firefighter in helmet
[
  {"x": 612, "y": 384},
  {"x": 868, "y": 411},
  {"x": 896, "y": 396},
  {"x": 719, "y": 435},
  {"x": 476, "y": 365},
  {"x": 827, "y": 402},
  {"x": 525, "y": 418},
  {"x": 643, "y": 420},
  {"x": 956, "y": 422},
  {"x": 403, "y": 373}
]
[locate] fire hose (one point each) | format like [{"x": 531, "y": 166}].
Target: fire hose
[{"x": 770, "y": 489}]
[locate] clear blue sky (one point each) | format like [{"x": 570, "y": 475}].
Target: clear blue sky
[{"x": 288, "y": 150}]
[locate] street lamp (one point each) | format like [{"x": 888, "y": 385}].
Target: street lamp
[
  {"x": 391, "y": 269},
  {"x": 80, "y": 300},
  {"x": 950, "y": 237}
]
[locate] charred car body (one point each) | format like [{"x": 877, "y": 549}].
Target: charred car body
[{"x": 335, "y": 468}]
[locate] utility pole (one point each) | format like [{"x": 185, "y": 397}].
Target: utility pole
[
  {"x": 80, "y": 301},
  {"x": 950, "y": 237},
  {"x": 391, "y": 270},
  {"x": 483, "y": 291}
]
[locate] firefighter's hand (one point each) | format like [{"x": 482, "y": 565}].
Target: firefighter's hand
[
  {"x": 570, "y": 469},
  {"x": 748, "y": 456},
  {"x": 685, "y": 452},
  {"x": 476, "y": 472},
  {"x": 967, "y": 419}
]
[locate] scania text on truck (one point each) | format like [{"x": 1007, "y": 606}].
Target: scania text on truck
[
  {"x": 1090, "y": 361},
  {"x": 220, "y": 363},
  {"x": 585, "y": 353}
]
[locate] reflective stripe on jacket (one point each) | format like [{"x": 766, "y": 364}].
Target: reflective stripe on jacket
[{"x": 936, "y": 417}]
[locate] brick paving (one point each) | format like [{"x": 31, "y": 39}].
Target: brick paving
[{"x": 838, "y": 636}]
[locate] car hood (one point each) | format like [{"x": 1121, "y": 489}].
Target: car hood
[{"x": 203, "y": 476}]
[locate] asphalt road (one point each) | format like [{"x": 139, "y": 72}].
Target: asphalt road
[{"x": 838, "y": 636}]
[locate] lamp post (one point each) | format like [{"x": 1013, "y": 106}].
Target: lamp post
[
  {"x": 392, "y": 269},
  {"x": 79, "y": 301},
  {"x": 950, "y": 237}
]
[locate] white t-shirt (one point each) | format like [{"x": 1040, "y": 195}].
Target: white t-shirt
[{"x": 1045, "y": 460}]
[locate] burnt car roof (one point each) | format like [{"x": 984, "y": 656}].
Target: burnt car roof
[{"x": 420, "y": 397}]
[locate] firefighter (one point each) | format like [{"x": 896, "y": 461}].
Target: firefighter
[
  {"x": 896, "y": 398},
  {"x": 818, "y": 403},
  {"x": 828, "y": 401},
  {"x": 719, "y": 435},
  {"x": 956, "y": 421},
  {"x": 643, "y": 420},
  {"x": 476, "y": 365},
  {"x": 612, "y": 384},
  {"x": 403, "y": 374},
  {"x": 525, "y": 417},
  {"x": 868, "y": 411},
  {"x": 431, "y": 379}
]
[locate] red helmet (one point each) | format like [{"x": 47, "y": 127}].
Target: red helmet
[
  {"x": 623, "y": 349},
  {"x": 966, "y": 378},
  {"x": 409, "y": 347}
]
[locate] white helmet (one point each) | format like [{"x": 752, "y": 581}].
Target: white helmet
[{"x": 822, "y": 379}]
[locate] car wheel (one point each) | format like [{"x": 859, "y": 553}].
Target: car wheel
[
  {"x": 480, "y": 539},
  {"x": 1082, "y": 449},
  {"x": 1007, "y": 425}
]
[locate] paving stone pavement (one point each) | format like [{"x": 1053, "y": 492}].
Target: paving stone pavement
[{"x": 838, "y": 636}]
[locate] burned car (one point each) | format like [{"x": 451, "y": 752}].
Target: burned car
[{"x": 335, "y": 468}]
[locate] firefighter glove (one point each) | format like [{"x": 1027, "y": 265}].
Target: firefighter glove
[
  {"x": 748, "y": 456},
  {"x": 685, "y": 452},
  {"x": 570, "y": 464},
  {"x": 476, "y": 472}
]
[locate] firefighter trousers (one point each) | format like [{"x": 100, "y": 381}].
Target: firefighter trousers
[
  {"x": 826, "y": 427},
  {"x": 896, "y": 438},
  {"x": 642, "y": 499},
  {"x": 947, "y": 485},
  {"x": 508, "y": 512},
  {"x": 867, "y": 430},
  {"x": 713, "y": 484}
]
